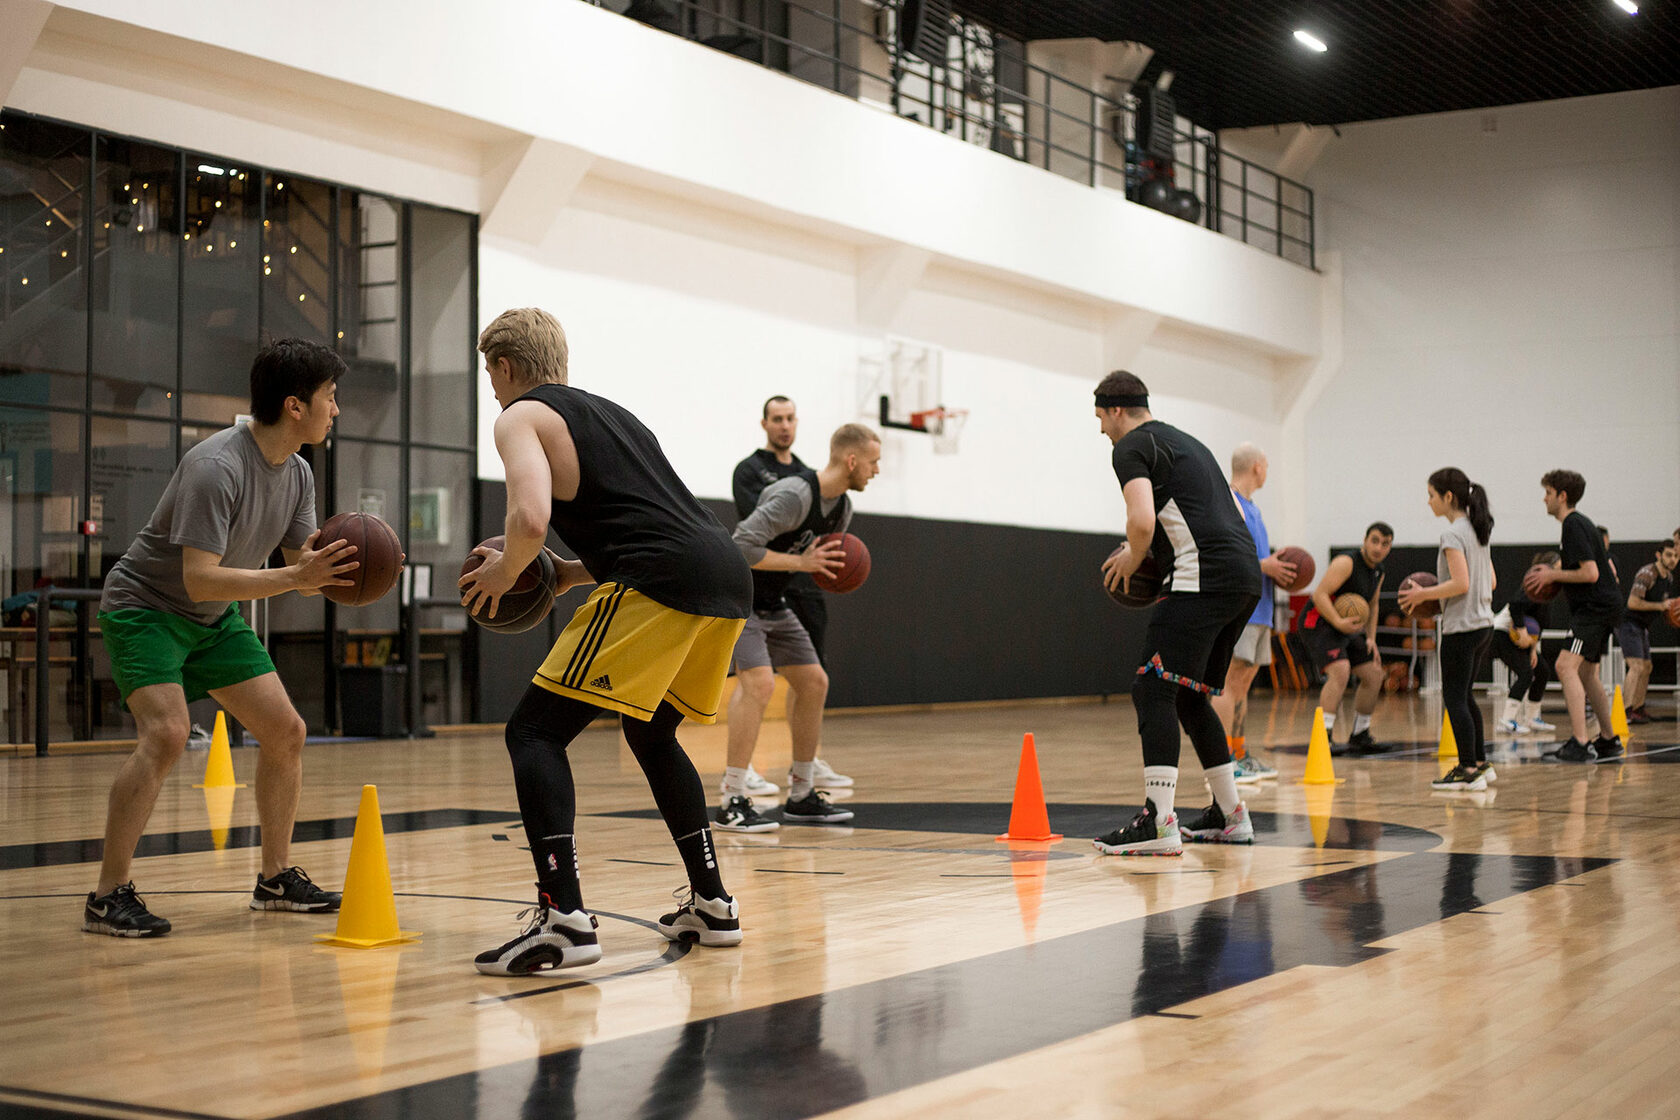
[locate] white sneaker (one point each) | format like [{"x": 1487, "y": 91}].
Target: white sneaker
[
  {"x": 824, "y": 777},
  {"x": 713, "y": 922},
  {"x": 757, "y": 785},
  {"x": 1531, "y": 714},
  {"x": 551, "y": 940},
  {"x": 1210, "y": 826}
]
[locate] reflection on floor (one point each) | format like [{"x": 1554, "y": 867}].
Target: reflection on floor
[{"x": 1381, "y": 948}]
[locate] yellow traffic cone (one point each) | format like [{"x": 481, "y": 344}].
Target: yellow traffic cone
[
  {"x": 218, "y": 806},
  {"x": 367, "y": 917},
  {"x": 1320, "y": 800},
  {"x": 1449, "y": 745},
  {"x": 218, "y": 768},
  {"x": 1618, "y": 715},
  {"x": 1320, "y": 770}
]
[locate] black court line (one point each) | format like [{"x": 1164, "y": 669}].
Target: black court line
[
  {"x": 674, "y": 952},
  {"x": 1077, "y": 820},
  {"x": 643, "y": 862},
  {"x": 59, "y": 853},
  {"x": 1173, "y": 1015},
  {"x": 20, "y": 1110},
  {"x": 786, "y": 871},
  {"x": 866, "y": 1041}
]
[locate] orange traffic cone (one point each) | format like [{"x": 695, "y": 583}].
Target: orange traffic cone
[
  {"x": 1028, "y": 866},
  {"x": 1029, "y": 819},
  {"x": 367, "y": 917}
]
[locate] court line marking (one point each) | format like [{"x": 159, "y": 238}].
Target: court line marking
[
  {"x": 792, "y": 871},
  {"x": 674, "y": 952},
  {"x": 109, "y": 1108}
]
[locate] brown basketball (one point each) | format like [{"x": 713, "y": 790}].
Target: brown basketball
[
  {"x": 1353, "y": 608},
  {"x": 1536, "y": 593},
  {"x": 1428, "y": 607},
  {"x": 854, "y": 567},
  {"x": 1672, "y": 613},
  {"x": 378, "y": 551},
  {"x": 1305, "y": 569},
  {"x": 1146, "y": 583},
  {"x": 527, "y": 602}
]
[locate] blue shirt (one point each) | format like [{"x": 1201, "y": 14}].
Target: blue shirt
[{"x": 1262, "y": 615}]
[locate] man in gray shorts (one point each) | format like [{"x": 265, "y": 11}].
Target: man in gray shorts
[{"x": 777, "y": 539}]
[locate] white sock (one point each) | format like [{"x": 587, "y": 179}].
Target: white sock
[
  {"x": 1329, "y": 722},
  {"x": 734, "y": 782},
  {"x": 1160, "y": 784},
  {"x": 1222, "y": 780},
  {"x": 799, "y": 779},
  {"x": 1360, "y": 723}
]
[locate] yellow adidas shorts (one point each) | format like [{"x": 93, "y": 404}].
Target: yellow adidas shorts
[{"x": 625, "y": 652}]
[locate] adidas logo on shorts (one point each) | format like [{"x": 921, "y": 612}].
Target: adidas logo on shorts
[{"x": 601, "y": 682}]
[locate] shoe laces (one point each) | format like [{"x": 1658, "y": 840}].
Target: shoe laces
[
  {"x": 125, "y": 900},
  {"x": 687, "y": 899}
]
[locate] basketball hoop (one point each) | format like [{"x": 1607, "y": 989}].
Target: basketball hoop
[{"x": 945, "y": 425}]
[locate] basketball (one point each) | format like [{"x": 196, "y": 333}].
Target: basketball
[
  {"x": 853, "y": 570},
  {"x": 1305, "y": 569},
  {"x": 1146, "y": 583},
  {"x": 1672, "y": 613},
  {"x": 377, "y": 550},
  {"x": 1536, "y": 593},
  {"x": 1430, "y": 607},
  {"x": 1353, "y": 608},
  {"x": 527, "y": 602}
]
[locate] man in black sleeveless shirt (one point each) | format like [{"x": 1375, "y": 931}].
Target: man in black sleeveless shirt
[
  {"x": 778, "y": 539},
  {"x": 772, "y": 463},
  {"x": 1179, "y": 509},
  {"x": 652, "y": 642},
  {"x": 1342, "y": 648}
]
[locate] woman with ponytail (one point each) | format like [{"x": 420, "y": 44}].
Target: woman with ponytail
[{"x": 1464, "y": 585}]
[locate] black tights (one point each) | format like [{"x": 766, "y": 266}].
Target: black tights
[
  {"x": 1162, "y": 707},
  {"x": 1460, "y": 654},
  {"x": 538, "y": 733},
  {"x": 1527, "y": 681}
]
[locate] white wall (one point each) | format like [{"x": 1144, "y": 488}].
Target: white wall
[{"x": 1512, "y": 304}]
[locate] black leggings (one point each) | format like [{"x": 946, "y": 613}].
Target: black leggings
[
  {"x": 1460, "y": 654},
  {"x": 1527, "y": 681},
  {"x": 1162, "y": 707}
]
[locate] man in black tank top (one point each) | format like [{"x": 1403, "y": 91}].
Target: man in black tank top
[
  {"x": 652, "y": 642},
  {"x": 1344, "y": 647},
  {"x": 1180, "y": 511},
  {"x": 777, "y": 539}
]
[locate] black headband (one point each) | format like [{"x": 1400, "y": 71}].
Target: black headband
[{"x": 1117, "y": 400}]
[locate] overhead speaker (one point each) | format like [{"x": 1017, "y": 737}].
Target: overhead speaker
[
  {"x": 1156, "y": 118},
  {"x": 924, "y": 29}
]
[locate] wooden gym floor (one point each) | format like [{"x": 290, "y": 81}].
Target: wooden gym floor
[{"x": 1395, "y": 951}]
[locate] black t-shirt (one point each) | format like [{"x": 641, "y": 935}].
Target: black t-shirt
[
  {"x": 634, "y": 522},
  {"x": 1200, "y": 534},
  {"x": 757, "y": 471},
  {"x": 1582, "y": 542},
  {"x": 1653, "y": 587},
  {"x": 1363, "y": 581}
]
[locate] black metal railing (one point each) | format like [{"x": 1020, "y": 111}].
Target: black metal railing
[{"x": 985, "y": 92}]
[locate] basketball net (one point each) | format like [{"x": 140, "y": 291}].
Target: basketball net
[{"x": 945, "y": 425}]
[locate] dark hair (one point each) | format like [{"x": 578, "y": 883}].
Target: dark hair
[
  {"x": 290, "y": 367},
  {"x": 774, "y": 400},
  {"x": 1382, "y": 527},
  {"x": 1471, "y": 498},
  {"x": 1567, "y": 483},
  {"x": 1546, "y": 556},
  {"x": 1604, "y": 531},
  {"x": 1123, "y": 384}
]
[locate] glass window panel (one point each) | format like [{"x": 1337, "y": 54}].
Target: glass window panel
[
  {"x": 135, "y": 226},
  {"x": 369, "y": 479},
  {"x": 298, "y": 249},
  {"x": 132, "y": 462},
  {"x": 442, "y": 354},
  {"x": 292, "y": 614},
  {"x": 440, "y": 512},
  {"x": 43, "y": 289},
  {"x": 370, "y": 310},
  {"x": 41, "y": 489},
  {"x": 220, "y": 292}
]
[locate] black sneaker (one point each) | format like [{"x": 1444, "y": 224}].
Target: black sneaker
[
  {"x": 1212, "y": 826},
  {"x": 551, "y": 940},
  {"x": 738, "y": 815},
  {"x": 814, "y": 808},
  {"x": 1608, "y": 746},
  {"x": 1147, "y": 835},
  {"x": 1460, "y": 778},
  {"x": 1575, "y": 751},
  {"x": 713, "y": 922},
  {"x": 122, "y": 914},
  {"x": 293, "y": 890},
  {"x": 1361, "y": 743}
]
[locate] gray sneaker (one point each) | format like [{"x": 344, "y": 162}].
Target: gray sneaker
[{"x": 1250, "y": 769}]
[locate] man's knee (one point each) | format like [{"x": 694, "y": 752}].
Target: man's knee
[
  {"x": 809, "y": 681},
  {"x": 756, "y": 685}
]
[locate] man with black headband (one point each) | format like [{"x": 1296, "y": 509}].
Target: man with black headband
[{"x": 1179, "y": 508}]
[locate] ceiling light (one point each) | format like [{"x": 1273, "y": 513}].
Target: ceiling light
[
  {"x": 1628, "y": 6},
  {"x": 209, "y": 170},
  {"x": 1310, "y": 41}
]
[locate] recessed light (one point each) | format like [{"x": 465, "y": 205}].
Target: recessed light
[
  {"x": 1310, "y": 41},
  {"x": 1628, "y": 6}
]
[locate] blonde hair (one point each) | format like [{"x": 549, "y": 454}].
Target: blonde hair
[
  {"x": 1244, "y": 457},
  {"x": 531, "y": 340},
  {"x": 850, "y": 437}
]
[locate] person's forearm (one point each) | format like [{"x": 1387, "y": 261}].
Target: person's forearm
[{"x": 220, "y": 585}]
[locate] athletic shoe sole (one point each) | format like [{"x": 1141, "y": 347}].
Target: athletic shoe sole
[
  {"x": 761, "y": 826},
  {"x": 541, "y": 958},
  {"x": 708, "y": 937},
  {"x": 1140, "y": 849},
  {"x": 839, "y": 817},
  {"x": 1214, "y": 836},
  {"x": 113, "y": 931}
]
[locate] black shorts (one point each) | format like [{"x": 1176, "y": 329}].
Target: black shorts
[
  {"x": 1589, "y": 635},
  {"x": 1329, "y": 645},
  {"x": 1191, "y": 637}
]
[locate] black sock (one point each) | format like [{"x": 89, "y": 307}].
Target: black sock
[
  {"x": 700, "y": 857},
  {"x": 557, "y": 872}
]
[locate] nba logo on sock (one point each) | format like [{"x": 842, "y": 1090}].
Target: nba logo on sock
[{"x": 553, "y": 864}]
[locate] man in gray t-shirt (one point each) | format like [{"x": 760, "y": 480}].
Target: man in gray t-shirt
[{"x": 174, "y": 635}]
